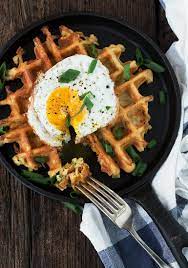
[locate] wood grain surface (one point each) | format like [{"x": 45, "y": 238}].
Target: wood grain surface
[{"x": 35, "y": 231}]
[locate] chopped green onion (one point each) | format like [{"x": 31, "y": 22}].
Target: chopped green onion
[
  {"x": 41, "y": 159},
  {"x": 88, "y": 103},
  {"x": 89, "y": 94},
  {"x": 108, "y": 107},
  {"x": 38, "y": 178},
  {"x": 118, "y": 132},
  {"x": 116, "y": 176},
  {"x": 108, "y": 148},
  {"x": 1, "y": 85},
  {"x": 152, "y": 144},
  {"x": 127, "y": 72},
  {"x": 3, "y": 129},
  {"x": 68, "y": 121},
  {"x": 139, "y": 57},
  {"x": 86, "y": 100},
  {"x": 81, "y": 109},
  {"x": 69, "y": 75},
  {"x": 92, "y": 66},
  {"x": 140, "y": 169},
  {"x": 92, "y": 51},
  {"x": 162, "y": 97},
  {"x": 53, "y": 180},
  {"x": 32, "y": 174},
  {"x": 2, "y": 75},
  {"x": 89, "y": 106},
  {"x": 133, "y": 154},
  {"x": 3, "y": 70},
  {"x": 76, "y": 208},
  {"x": 74, "y": 194},
  {"x": 148, "y": 62},
  {"x": 153, "y": 66}
]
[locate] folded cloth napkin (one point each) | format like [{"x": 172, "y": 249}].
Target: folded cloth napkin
[{"x": 116, "y": 247}]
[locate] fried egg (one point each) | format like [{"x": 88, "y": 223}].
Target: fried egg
[{"x": 53, "y": 102}]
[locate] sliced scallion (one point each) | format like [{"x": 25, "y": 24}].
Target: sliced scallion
[
  {"x": 2, "y": 84},
  {"x": 76, "y": 208},
  {"x": 152, "y": 144},
  {"x": 3, "y": 69},
  {"x": 88, "y": 93},
  {"x": 153, "y": 66},
  {"x": 139, "y": 57},
  {"x": 68, "y": 121},
  {"x": 133, "y": 154},
  {"x": 140, "y": 169},
  {"x": 92, "y": 66},
  {"x": 74, "y": 194},
  {"x": 108, "y": 107},
  {"x": 41, "y": 159},
  {"x": 3, "y": 129},
  {"x": 149, "y": 63},
  {"x": 86, "y": 97},
  {"x": 38, "y": 178},
  {"x": 118, "y": 132},
  {"x": 88, "y": 103},
  {"x": 69, "y": 75},
  {"x": 162, "y": 97},
  {"x": 116, "y": 176},
  {"x": 108, "y": 148},
  {"x": 92, "y": 51},
  {"x": 127, "y": 72}
]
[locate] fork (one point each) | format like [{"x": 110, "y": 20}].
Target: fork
[{"x": 117, "y": 210}]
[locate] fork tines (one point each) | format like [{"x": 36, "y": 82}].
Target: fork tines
[{"x": 104, "y": 198}]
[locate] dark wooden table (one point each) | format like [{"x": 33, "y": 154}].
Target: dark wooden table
[{"x": 35, "y": 231}]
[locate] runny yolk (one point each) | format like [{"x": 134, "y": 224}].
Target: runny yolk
[{"x": 64, "y": 101}]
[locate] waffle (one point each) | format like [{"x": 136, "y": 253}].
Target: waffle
[
  {"x": 110, "y": 57},
  {"x": 133, "y": 108},
  {"x": 28, "y": 146},
  {"x": 132, "y": 116}
]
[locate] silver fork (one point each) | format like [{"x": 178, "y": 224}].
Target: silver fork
[{"x": 117, "y": 210}]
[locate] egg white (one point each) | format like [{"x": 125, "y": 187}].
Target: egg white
[
  {"x": 98, "y": 83},
  {"x": 39, "y": 129}
]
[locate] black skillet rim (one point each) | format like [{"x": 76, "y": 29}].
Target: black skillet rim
[{"x": 151, "y": 174}]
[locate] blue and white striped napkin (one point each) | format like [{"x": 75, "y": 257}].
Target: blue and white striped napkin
[{"x": 116, "y": 248}]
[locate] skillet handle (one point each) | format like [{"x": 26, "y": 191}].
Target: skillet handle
[{"x": 174, "y": 234}]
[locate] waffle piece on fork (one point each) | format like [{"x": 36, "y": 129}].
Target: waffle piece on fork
[
  {"x": 133, "y": 117},
  {"x": 47, "y": 54}
]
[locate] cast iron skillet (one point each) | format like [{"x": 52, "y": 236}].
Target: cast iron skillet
[{"x": 165, "y": 119}]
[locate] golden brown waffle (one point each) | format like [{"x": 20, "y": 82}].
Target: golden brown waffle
[
  {"x": 110, "y": 57},
  {"x": 29, "y": 147},
  {"x": 70, "y": 43},
  {"x": 133, "y": 115},
  {"x": 47, "y": 54}
]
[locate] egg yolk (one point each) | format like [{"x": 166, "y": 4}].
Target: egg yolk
[{"x": 64, "y": 101}]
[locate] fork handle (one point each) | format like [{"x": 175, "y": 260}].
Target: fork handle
[
  {"x": 153, "y": 255},
  {"x": 174, "y": 234}
]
